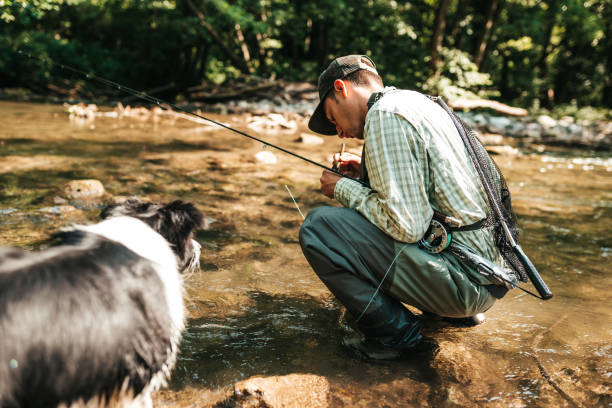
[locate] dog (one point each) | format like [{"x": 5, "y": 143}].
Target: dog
[{"x": 96, "y": 318}]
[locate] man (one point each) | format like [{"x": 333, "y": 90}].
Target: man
[{"x": 366, "y": 253}]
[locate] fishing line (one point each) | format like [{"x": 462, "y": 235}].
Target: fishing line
[
  {"x": 381, "y": 282},
  {"x": 295, "y": 202},
  {"x": 393, "y": 262},
  {"x": 161, "y": 103}
]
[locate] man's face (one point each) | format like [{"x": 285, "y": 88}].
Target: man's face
[{"x": 345, "y": 115}]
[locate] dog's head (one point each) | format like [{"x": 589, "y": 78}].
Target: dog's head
[{"x": 175, "y": 221}]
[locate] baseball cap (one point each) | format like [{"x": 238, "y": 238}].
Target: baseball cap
[{"x": 339, "y": 68}]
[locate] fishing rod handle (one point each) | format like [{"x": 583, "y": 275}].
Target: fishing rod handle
[{"x": 533, "y": 274}]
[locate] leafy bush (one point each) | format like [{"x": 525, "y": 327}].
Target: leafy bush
[{"x": 459, "y": 78}]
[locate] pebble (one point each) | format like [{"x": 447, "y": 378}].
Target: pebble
[
  {"x": 308, "y": 139},
  {"x": 264, "y": 157},
  {"x": 83, "y": 189}
]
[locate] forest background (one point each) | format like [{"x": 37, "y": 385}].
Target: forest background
[{"x": 538, "y": 54}]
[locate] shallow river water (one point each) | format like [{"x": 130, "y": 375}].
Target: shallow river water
[{"x": 257, "y": 309}]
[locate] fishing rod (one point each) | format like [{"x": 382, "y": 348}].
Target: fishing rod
[
  {"x": 161, "y": 103},
  {"x": 532, "y": 272}
]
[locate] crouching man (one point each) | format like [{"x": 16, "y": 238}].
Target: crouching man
[{"x": 366, "y": 252}]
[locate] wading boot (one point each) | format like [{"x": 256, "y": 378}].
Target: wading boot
[
  {"x": 390, "y": 333},
  {"x": 469, "y": 321},
  {"x": 373, "y": 349}
]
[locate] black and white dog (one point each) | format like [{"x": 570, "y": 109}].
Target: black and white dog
[{"x": 95, "y": 319}]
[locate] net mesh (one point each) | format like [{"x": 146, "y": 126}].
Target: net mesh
[{"x": 499, "y": 193}]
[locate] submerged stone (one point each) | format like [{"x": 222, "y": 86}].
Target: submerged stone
[
  {"x": 454, "y": 362},
  {"x": 293, "y": 390}
]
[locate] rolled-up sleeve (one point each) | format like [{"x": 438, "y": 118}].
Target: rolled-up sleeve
[{"x": 396, "y": 159}]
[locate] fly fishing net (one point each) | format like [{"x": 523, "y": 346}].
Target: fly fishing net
[{"x": 498, "y": 193}]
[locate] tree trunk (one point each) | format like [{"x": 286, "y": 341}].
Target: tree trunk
[
  {"x": 456, "y": 31},
  {"x": 246, "y": 55},
  {"x": 260, "y": 37},
  {"x": 606, "y": 97},
  {"x": 545, "y": 92},
  {"x": 483, "y": 40},
  {"x": 238, "y": 62},
  {"x": 438, "y": 35},
  {"x": 307, "y": 39}
]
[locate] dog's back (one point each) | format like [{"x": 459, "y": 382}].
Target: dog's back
[{"x": 80, "y": 320}]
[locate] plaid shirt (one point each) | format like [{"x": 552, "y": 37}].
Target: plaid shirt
[{"x": 416, "y": 161}]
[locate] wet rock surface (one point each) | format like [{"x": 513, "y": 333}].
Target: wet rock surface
[
  {"x": 454, "y": 362},
  {"x": 544, "y": 129},
  {"x": 294, "y": 390}
]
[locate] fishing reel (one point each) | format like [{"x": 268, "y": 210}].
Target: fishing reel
[{"x": 437, "y": 238}]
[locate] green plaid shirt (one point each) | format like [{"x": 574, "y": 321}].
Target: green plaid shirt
[{"x": 416, "y": 162}]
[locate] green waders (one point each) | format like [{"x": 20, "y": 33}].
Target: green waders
[{"x": 351, "y": 255}]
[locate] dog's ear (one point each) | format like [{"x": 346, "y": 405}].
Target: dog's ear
[
  {"x": 128, "y": 207},
  {"x": 186, "y": 215}
]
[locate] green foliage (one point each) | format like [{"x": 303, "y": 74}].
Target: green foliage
[
  {"x": 539, "y": 53},
  {"x": 459, "y": 78}
]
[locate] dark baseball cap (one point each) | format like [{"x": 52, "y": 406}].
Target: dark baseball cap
[{"x": 339, "y": 68}]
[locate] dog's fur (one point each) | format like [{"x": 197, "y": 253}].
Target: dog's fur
[{"x": 95, "y": 319}]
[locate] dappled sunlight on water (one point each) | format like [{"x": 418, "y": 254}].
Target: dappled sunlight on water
[{"x": 256, "y": 307}]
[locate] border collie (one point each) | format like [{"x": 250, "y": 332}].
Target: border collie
[{"x": 96, "y": 318}]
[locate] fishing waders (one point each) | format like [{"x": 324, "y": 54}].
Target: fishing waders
[{"x": 352, "y": 257}]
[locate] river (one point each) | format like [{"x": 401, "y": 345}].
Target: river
[{"x": 257, "y": 309}]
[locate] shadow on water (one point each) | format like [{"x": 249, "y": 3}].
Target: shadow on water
[{"x": 274, "y": 335}]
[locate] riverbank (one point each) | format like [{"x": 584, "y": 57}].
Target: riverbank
[{"x": 296, "y": 101}]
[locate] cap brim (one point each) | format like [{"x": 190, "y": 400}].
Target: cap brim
[{"x": 319, "y": 123}]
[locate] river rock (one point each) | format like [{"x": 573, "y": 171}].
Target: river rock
[
  {"x": 479, "y": 119},
  {"x": 546, "y": 121},
  {"x": 516, "y": 128},
  {"x": 293, "y": 390},
  {"x": 556, "y": 132},
  {"x": 308, "y": 139},
  {"x": 503, "y": 150},
  {"x": 61, "y": 210},
  {"x": 84, "y": 189},
  {"x": 454, "y": 362},
  {"x": 498, "y": 124},
  {"x": 271, "y": 121},
  {"x": 264, "y": 157},
  {"x": 533, "y": 130},
  {"x": 82, "y": 111},
  {"x": 489, "y": 139},
  {"x": 281, "y": 121}
]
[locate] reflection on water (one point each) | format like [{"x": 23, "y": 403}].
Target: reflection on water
[{"x": 256, "y": 307}]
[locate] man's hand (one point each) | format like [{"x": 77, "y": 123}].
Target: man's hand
[
  {"x": 328, "y": 183},
  {"x": 348, "y": 163}
]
